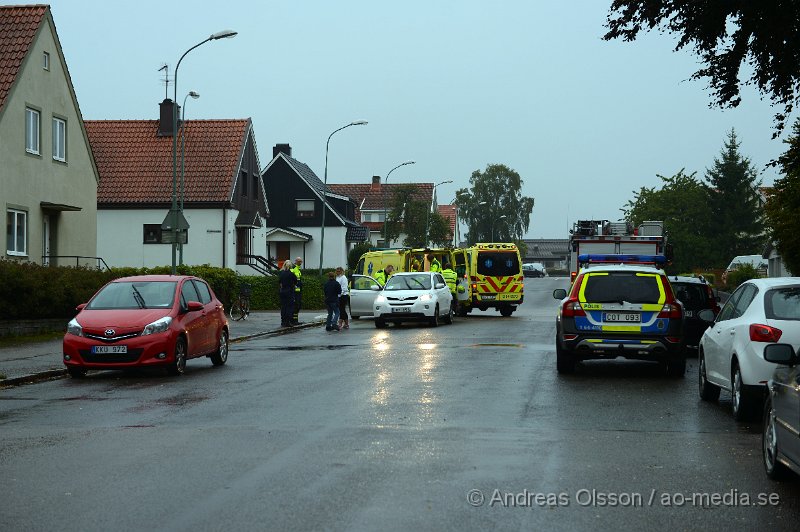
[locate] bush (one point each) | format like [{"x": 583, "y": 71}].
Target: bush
[
  {"x": 743, "y": 273},
  {"x": 355, "y": 254}
]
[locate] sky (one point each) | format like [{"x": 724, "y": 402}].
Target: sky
[{"x": 452, "y": 85}]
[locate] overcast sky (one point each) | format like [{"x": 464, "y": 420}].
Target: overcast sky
[{"x": 452, "y": 85}]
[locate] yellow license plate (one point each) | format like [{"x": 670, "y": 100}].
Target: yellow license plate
[{"x": 508, "y": 296}]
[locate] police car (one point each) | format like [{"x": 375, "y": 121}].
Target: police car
[{"x": 620, "y": 306}]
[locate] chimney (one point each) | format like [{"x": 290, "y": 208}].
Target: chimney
[
  {"x": 376, "y": 183},
  {"x": 165, "y": 124},
  {"x": 281, "y": 148}
]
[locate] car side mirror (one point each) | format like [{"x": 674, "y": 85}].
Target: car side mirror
[
  {"x": 81, "y": 307},
  {"x": 439, "y": 286},
  {"x": 783, "y": 354},
  {"x": 559, "y": 293},
  {"x": 375, "y": 288},
  {"x": 194, "y": 306},
  {"x": 707, "y": 315}
]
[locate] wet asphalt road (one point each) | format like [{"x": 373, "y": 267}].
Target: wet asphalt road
[{"x": 388, "y": 429}]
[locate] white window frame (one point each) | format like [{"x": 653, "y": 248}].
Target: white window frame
[
  {"x": 15, "y": 218},
  {"x": 305, "y": 213},
  {"x": 46, "y": 60},
  {"x": 32, "y": 138},
  {"x": 59, "y": 139}
]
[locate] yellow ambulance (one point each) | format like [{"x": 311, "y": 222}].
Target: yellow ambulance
[{"x": 495, "y": 278}]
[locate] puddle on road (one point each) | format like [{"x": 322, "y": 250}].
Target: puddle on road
[
  {"x": 520, "y": 346},
  {"x": 301, "y": 348}
]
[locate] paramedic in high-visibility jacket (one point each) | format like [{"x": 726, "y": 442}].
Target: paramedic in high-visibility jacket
[
  {"x": 298, "y": 290},
  {"x": 451, "y": 278}
]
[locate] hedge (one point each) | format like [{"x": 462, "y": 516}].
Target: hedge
[{"x": 32, "y": 291}]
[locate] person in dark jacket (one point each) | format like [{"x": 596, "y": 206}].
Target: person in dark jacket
[
  {"x": 332, "y": 290},
  {"x": 286, "y": 285}
]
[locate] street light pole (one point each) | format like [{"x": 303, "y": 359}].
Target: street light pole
[
  {"x": 428, "y": 219},
  {"x": 385, "y": 218},
  {"x": 175, "y": 211},
  {"x": 324, "y": 189},
  {"x": 194, "y": 96}
]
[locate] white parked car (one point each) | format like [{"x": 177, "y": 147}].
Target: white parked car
[
  {"x": 731, "y": 353},
  {"x": 414, "y": 296}
]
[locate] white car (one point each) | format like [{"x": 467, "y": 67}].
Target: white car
[
  {"x": 414, "y": 296},
  {"x": 731, "y": 352}
]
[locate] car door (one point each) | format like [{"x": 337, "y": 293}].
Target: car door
[
  {"x": 363, "y": 290},
  {"x": 786, "y": 404},
  {"x": 213, "y": 318},
  {"x": 718, "y": 371},
  {"x": 442, "y": 294},
  {"x": 194, "y": 322},
  {"x": 728, "y": 332}
]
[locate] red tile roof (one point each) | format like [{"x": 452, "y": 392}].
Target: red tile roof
[
  {"x": 371, "y": 197},
  {"x": 135, "y": 165},
  {"x": 451, "y": 213},
  {"x": 18, "y": 27}
]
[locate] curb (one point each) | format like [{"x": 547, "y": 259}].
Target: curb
[{"x": 54, "y": 374}]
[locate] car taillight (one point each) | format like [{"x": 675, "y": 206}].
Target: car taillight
[
  {"x": 671, "y": 311},
  {"x": 572, "y": 309},
  {"x": 764, "y": 333},
  {"x": 572, "y": 276}
]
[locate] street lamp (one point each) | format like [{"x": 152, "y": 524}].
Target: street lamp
[
  {"x": 500, "y": 218},
  {"x": 175, "y": 212},
  {"x": 324, "y": 189},
  {"x": 385, "y": 218},
  {"x": 194, "y": 95},
  {"x": 428, "y": 219}
]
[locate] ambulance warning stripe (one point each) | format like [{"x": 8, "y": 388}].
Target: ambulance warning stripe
[{"x": 500, "y": 285}]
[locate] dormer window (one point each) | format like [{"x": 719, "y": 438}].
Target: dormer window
[{"x": 46, "y": 61}]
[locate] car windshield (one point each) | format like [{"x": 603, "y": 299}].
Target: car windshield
[
  {"x": 409, "y": 282},
  {"x": 692, "y": 295},
  {"x": 498, "y": 263},
  {"x": 134, "y": 294},
  {"x": 783, "y": 303},
  {"x": 618, "y": 287}
]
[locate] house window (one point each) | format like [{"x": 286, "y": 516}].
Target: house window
[
  {"x": 31, "y": 130},
  {"x": 16, "y": 232},
  {"x": 152, "y": 234},
  {"x": 59, "y": 139},
  {"x": 243, "y": 179},
  {"x": 305, "y": 208},
  {"x": 46, "y": 61},
  {"x": 255, "y": 187}
]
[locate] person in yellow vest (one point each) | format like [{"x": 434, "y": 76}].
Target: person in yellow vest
[
  {"x": 415, "y": 265},
  {"x": 298, "y": 290},
  {"x": 436, "y": 266},
  {"x": 451, "y": 278},
  {"x": 383, "y": 275}
]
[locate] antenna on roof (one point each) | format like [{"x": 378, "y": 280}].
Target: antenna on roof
[{"x": 165, "y": 79}]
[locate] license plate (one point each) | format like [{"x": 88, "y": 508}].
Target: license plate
[
  {"x": 401, "y": 309},
  {"x": 488, "y": 297},
  {"x": 109, "y": 349},
  {"x": 508, "y": 296},
  {"x": 622, "y": 317},
  {"x": 689, "y": 313}
]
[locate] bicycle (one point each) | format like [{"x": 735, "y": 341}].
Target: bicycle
[{"x": 241, "y": 306}]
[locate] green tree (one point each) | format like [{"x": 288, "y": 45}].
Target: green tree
[
  {"x": 494, "y": 204},
  {"x": 734, "y": 203},
  {"x": 783, "y": 204},
  {"x": 410, "y": 216},
  {"x": 761, "y": 34},
  {"x": 354, "y": 254},
  {"x": 681, "y": 204}
]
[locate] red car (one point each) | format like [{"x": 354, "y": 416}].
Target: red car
[{"x": 146, "y": 321}]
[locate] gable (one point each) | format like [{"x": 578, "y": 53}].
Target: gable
[{"x": 18, "y": 28}]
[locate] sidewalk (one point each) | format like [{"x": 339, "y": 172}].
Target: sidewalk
[{"x": 42, "y": 360}]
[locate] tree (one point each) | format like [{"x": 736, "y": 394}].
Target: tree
[
  {"x": 411, "y": 216},
  {"x": 783, "y": 204},
  {"x": 681, "y": 204},
  {"x": 494, "y": 204},
  {"x": 761, "y": 34},
  {"x": 734, "y": 203},
  {"x": 354, "y": 254}
]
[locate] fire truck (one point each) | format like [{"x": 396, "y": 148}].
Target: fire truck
[{"x": 617, "y": 238}]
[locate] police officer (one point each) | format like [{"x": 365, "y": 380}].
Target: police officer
[
  {"x": 383, "y": 275},
  {"x": 286, "y": 282},
  {"x": 451, "y": 278},
  {"x": 298, "y": 299}
]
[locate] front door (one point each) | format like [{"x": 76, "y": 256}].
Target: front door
[
  {"x": 282, "y": 251},
  {"x": 46, "y": 240},
  {"x": 242, "y": 244}
]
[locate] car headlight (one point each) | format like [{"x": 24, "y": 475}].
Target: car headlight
[
  {"x": 157, "y": 326},
  {"x": 379, "y": 300},
  {"x": 73, "y": 327},
  {"x": 425, "y": 297}
]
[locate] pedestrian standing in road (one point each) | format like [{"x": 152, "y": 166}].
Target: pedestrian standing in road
[
  {"x": 344, "y": 298},
  {"x": 286, "y": 286},
  {"x": 332, "y": 290},
  {"x": 298, "y": 291}
]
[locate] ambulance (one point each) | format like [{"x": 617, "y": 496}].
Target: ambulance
[{"x": 494, "y": 271}]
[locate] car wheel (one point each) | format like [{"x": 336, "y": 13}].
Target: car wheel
[
  {"x": 380, "y": 324},
  {"x": 741, "y": 400},
  {"x": 448, "y": 318},
  {"x": 769, "y": 444},
  {"x": 219, "y": 357},
  {"x": 708, "y": 391},
  {"x": 565, "y": 361},
  {"x": 434, "y": 321},
  {"x": 76, "y": 373},
  {"x": 506, "y": 311},
  {"x": 676, "y": 367},
  {"x": 178, "y": 365}
]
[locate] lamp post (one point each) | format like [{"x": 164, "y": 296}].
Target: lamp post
[
  {"x": 324, "y": 189},
  {"x": 175, "y": 211},
  {"x": 428, "y": 219},
  {"x": 385, "y": 218},
  {"x": 194, "y": 95}
]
